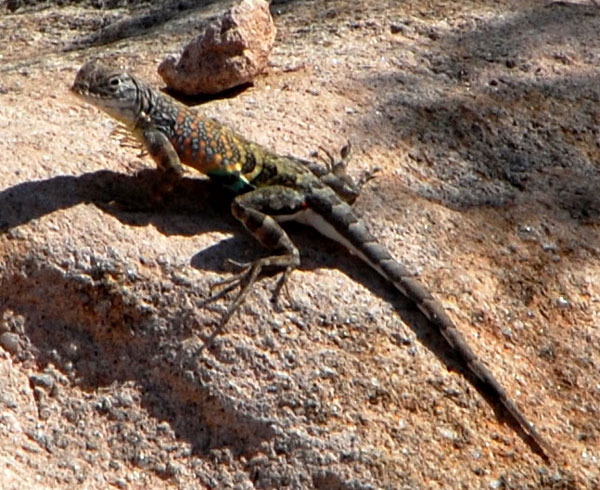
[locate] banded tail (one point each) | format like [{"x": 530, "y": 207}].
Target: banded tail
[{"x": 335, "y": 219}]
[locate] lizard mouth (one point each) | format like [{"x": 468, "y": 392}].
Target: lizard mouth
[{"x": 79, "y": 89}]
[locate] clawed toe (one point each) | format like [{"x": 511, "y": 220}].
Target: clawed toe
[
  {"x": 240, "y": 265},
  {"x": 244, "y": 280},
  {"x": 233, "y": 281},
  {"x": 367, "y": 175}
]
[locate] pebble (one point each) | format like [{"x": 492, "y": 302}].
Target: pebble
[
  {"x": 10, "y": 342},
  {"x": 42, "y": 380}
]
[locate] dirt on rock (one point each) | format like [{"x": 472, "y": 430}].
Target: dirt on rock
[{"x": 483, "y": 120}]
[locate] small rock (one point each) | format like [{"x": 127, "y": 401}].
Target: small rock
[
  {"x": 549, "y": 247},
  {"x": 120, "y": 483},
  {"x": 42, "y": 380},
  {"x": 8, "y": 400},
  {"x": 396, "y": 28},
  {"x": 232, "y": 51},
  {"x": 13, "y": 5},
  {"x": 10, "y": 342}
]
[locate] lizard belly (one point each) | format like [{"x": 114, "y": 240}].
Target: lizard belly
[{"x": 311, "y": 218}]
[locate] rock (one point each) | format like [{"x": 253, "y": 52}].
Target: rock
[
  {"x": 42, "y": 380},
  {"x": 9, "y": 342},
  {"x": 232, "y": 51}
]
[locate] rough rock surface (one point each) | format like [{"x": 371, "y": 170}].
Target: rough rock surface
[
  {"x": 484, "y": 119},
  {"x": 232, "y": 50}
]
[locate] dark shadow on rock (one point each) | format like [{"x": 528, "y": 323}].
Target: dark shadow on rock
[
  {"x": 491, "y": 155},
  {"x": 489, "y": 142},
  {"x": 198, "y": 100},
  {"x": 509, "y": 39},
  {"x": 136, "y": 25}
]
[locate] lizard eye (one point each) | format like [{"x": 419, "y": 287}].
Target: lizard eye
[{"x": 114, "y": 82}]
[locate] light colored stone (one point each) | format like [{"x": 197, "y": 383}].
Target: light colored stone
[{"x": 232, "y": 51}]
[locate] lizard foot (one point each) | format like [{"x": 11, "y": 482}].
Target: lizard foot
[
  {"x": 333, "y": 166},
  {"x": 333, "y": 172},
  {"x": 366, "y": 176},
  {"x": 244, "y": 280}
]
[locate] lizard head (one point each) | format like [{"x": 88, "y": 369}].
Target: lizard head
[{"x": 115, "y": 92}]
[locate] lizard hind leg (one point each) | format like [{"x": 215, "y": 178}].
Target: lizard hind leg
[{"x": 254, "y": 210}]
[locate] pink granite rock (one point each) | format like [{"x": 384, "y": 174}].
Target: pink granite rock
[{"x": 232, "y": 51}]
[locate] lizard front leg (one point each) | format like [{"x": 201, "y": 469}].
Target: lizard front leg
[
  {"x": 259, "y": 211},
  {"x": 166, "y": 158},
  {"x": 334, "y": 173}
]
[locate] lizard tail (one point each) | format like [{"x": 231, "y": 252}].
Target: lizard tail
[
  {"x": 435, "y": 313},
  {"x": 336, "y": 220}
]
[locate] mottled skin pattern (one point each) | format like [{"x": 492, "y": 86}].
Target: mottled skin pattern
[{"x": 269, "y": 189}]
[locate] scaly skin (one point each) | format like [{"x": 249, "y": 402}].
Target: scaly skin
[{"x": 270, "y": 189}]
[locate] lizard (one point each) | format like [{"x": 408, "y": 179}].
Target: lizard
[{"x": 271, "y": 189}]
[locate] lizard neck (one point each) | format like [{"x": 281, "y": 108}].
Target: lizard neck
[{"x": 148, "y": 106}]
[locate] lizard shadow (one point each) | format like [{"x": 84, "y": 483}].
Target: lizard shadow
[{"x": 120, "y": 195}]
